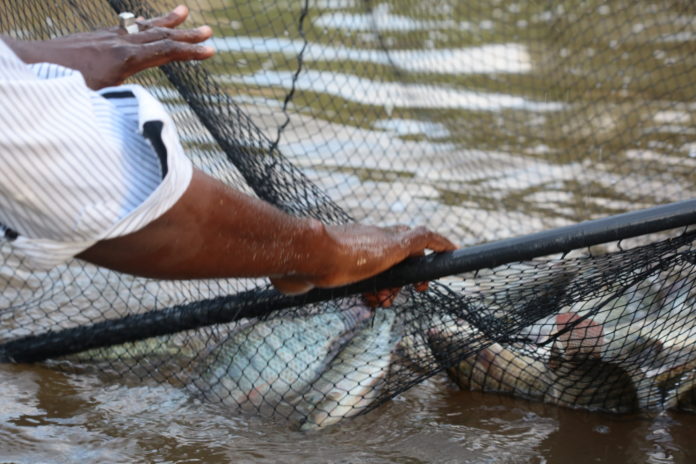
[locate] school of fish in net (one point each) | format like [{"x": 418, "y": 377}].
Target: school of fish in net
[{"x": 623, "y": 349}]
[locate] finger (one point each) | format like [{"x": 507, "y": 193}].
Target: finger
[
  {"x": 378, "y": 298},
  {"x": 165, "y": 51},
  {"x": 163, "y": 33},
  {"x": 371, "y": 299},
  {"x": 374, "y": 300},
  {"x": 384, "y": 298},
  {"x": 177, "y": 16},
  {"x": 421, "y": 238},
  {"x": 417, "y": 252},
  {"x": 421, "y": 286},
  {"x": 291, "y": 286},
  {"x": 392, "y": 293}
]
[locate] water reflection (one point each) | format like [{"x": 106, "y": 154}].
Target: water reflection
[
  {"x": 401, "y": 127},
  {"x": 381, "y": 18},
  {"x": 490, "y": 58},
  {"x": 367, "y": 92}
]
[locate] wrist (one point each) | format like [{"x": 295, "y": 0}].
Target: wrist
[{"x": 322, "y": 251}]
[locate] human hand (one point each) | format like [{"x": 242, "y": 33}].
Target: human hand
[
  {"x": 360, "y": 252},
  {"x": 109, "y": 56}
]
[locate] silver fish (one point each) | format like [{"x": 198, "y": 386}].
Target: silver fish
[
  {"x": 415, "y": 350},
  {"x": 352, "y": 381},
  {"x": 569, "y": 373},
  {"x": 600, "y": 367},
  {"x": 683, "y": 394},
  {"x": 594, "y": 384},
  {"x": 494, "y": 368},
  {"x": 271, "y": 362},
  {"x": 503, "y": 369}
]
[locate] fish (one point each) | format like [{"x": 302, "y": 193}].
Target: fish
[
  {"x": 672, "y": 369},
  {"x": 171, "y": 346},
  {"x": 682, "y": 395},
  {"x": 352, "y": 381},
  {"x": 272, "y": 362},
  {"x": 599, "y": 351},
  {"x": 493, "y": 367},
  {"x": 167, "y": 359},
  {"x": 414, "y": 350},
  {"x": 576, "y": 338},
  {"x": 617, "y": 348},
  {"x": 656, "y": 344},
  {"x": 601, "y": 367},
  {"x": 568, "y": 372},
  {"x": 593, "y": 384},
  {"x": 503, "y": 369},
  {"x": 603, "y": 311}
]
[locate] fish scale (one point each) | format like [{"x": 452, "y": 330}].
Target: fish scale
[{"x": 271, "y": 362}]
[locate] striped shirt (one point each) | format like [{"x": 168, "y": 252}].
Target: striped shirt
[{"x": 79, "y": 166}]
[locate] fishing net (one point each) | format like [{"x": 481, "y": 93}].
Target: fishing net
[{"x": 485, "y": 121}]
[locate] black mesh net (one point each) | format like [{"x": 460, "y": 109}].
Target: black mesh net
[{"x": 484, "y": 121}]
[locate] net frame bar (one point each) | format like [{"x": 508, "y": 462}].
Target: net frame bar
[{"x": 260, "y": 303}]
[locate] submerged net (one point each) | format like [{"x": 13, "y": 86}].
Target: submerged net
[{"x": 484, "y": 121}]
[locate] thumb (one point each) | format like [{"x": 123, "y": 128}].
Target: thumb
[{"x": 291, "y": 285}]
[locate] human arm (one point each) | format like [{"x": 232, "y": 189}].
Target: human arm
[
  {"x": 109, "y": 56},
  {"x": 213, "y": 230},
  {"x": 217, "y": 231}
]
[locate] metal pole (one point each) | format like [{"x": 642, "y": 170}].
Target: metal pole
[{"x": 257, "y": 303}]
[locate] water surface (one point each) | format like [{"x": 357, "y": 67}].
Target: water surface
[
  {"x": 482, "y": 121},
  {"x": 50, "y": 416}
]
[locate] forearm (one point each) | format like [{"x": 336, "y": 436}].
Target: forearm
[
  {"x": 44, "y": 51},
  {"x": 27, "y": 51},
  {"x": 216, "y": 231}
]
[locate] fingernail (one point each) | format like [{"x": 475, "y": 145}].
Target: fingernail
[
  {"x": 204, "y": 29},
  {"x": 181, "y": 10},
  {"x": 204, "y": 49}
]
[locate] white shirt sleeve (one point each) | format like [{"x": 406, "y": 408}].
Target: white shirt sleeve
[{"x": 76, "y": 167}]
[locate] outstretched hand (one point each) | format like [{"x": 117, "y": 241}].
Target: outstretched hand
[{"x": 107, "y": 57}]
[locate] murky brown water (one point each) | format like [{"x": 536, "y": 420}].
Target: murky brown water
[
  {"x": 53, "y": 417},
  {"x": 477, "y": 165}
]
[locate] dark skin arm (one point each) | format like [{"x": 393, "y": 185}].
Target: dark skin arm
[
  {"x": 217, "y": 231},
  {"x": 214, "y": 230}
]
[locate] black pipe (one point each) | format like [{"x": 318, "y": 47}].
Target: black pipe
[{"x": 260, "y": 302}]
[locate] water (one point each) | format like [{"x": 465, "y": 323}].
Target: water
[
  {"x": 486, "y": 144},
  {"x": 56, "y": 417}
]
